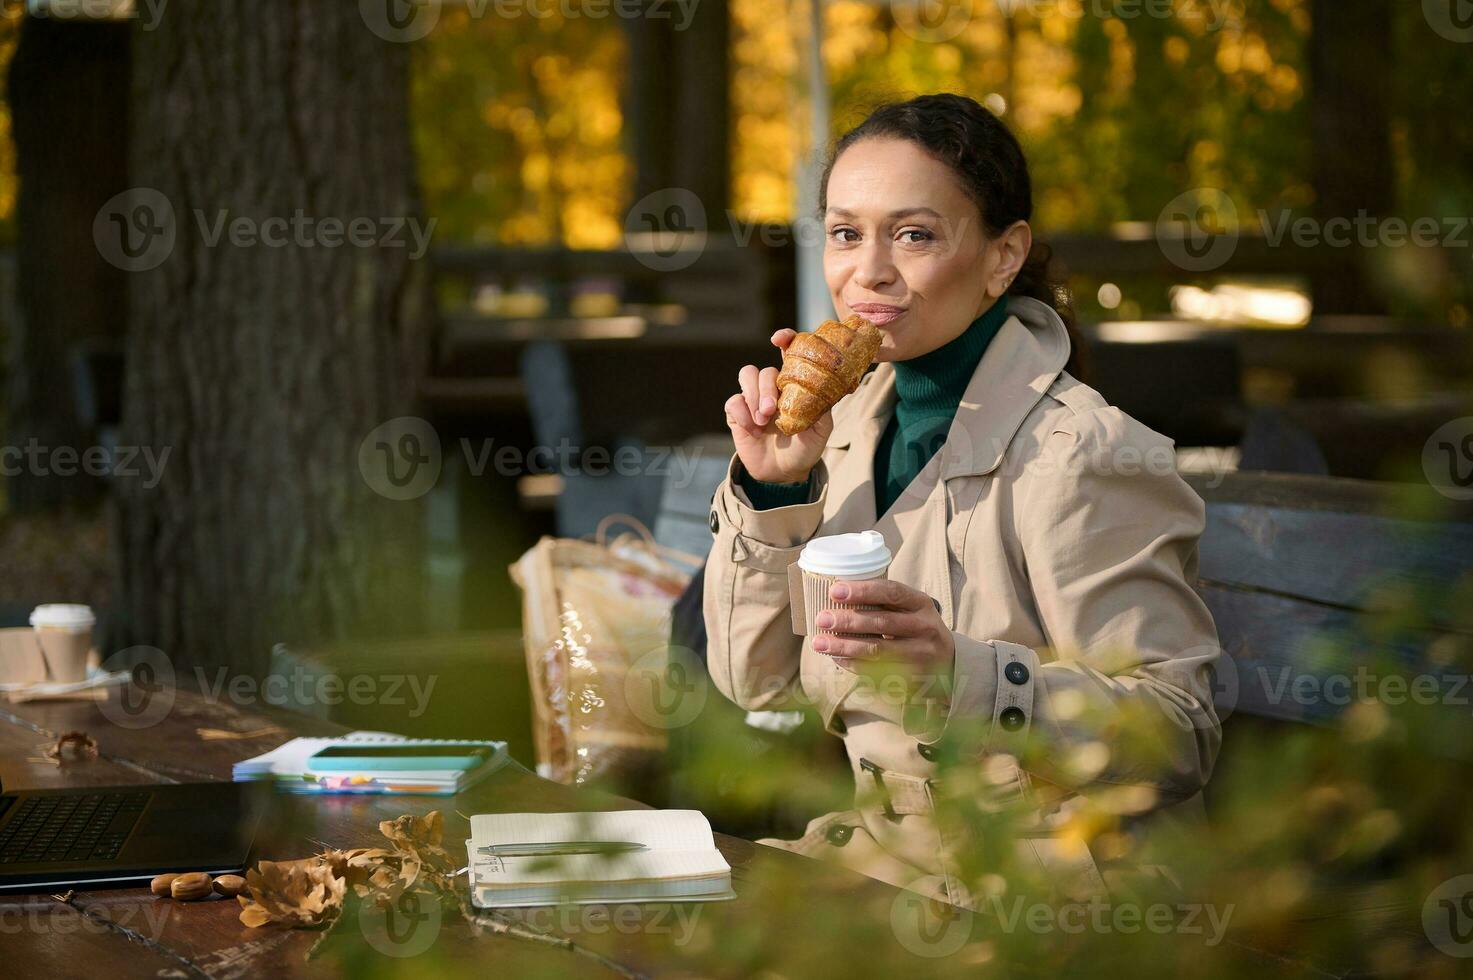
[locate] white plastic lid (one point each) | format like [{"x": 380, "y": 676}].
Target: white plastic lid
[
  {"x": 63, "y": 615},
  {"x": 858, "y": 554}
]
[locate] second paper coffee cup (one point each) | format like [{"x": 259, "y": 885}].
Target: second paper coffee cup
[
  {"x": 839, "y": 558},
  {"x": 64, "y": 632}
]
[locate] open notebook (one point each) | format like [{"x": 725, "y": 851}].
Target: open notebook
[{"x": 681, "y": 865}]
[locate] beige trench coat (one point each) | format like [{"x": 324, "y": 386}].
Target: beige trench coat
[{"x": 1060, "y": 544}]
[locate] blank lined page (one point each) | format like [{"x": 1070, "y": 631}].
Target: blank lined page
[{"x": 659, "y": 829}]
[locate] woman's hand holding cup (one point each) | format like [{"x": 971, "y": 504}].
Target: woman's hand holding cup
[
  {"x": 907, "y": 620},
  {"x": 751, "y": 414}
]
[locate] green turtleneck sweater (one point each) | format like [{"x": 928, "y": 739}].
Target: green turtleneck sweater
[{"x": 928, "y": 390}]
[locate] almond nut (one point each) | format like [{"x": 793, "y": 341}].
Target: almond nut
[
  {"x": 160, "y": 885},
  {"x": 188, "y": 887},
  {"x": 230, "y": 885}
]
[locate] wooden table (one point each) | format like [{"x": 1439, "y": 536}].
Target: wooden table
[
  {"x": 128, "y": 933},
  {"x": 790, "y": 917}
]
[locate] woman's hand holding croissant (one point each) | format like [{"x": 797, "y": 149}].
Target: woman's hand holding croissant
[{"x": 768, "y": 454}]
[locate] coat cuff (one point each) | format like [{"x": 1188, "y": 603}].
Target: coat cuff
[
  {"x": 991, "y": 702},
  {"x": 770, "y": 496},
  {"x": 779, "y": 527}
]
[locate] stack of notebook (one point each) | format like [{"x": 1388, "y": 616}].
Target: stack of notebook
[
  {"x": 581, "y": 858},
  {"x": 289, "y": 765}
]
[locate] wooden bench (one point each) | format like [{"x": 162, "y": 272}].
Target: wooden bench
[{"x": 1289, "y": 560}]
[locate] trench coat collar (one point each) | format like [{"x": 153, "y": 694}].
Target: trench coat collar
[{"x": 1017, "y": 368}]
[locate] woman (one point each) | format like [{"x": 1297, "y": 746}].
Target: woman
[{"x": 1044, "y": 545}]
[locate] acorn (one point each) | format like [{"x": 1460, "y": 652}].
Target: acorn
[
  {"x": 230, "y": 885},
  {"x": 191, "y": 886}
]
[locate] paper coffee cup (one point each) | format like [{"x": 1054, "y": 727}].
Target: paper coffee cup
[
  {"x": 64, "y": 633},
  {"x": 839, "y": 558}
]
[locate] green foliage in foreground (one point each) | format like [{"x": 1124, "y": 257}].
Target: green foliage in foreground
[{"x": 1339, "y": 846}]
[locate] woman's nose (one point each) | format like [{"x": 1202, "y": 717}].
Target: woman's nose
[{"x": 874, "y": 268}]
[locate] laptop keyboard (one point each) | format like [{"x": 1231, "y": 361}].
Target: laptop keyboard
[{"x": 76, "y": 827}]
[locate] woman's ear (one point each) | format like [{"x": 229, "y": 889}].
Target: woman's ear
[{"x": 1013, "y": 246}]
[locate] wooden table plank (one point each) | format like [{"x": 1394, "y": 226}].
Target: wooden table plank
[
  {"x": 23, "y": 765},
  {"x": 43, "y": 937},
  {"x": 171, "y": 749},
  {"x": 209, "y": 935}
]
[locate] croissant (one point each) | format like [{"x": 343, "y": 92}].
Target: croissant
[{"x": 821, "y": 367}]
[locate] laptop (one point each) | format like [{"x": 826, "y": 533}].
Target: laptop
[{"x": 117, "y": 836}]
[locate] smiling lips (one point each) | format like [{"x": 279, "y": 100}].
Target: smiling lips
[{"x": 877, "y": 313}]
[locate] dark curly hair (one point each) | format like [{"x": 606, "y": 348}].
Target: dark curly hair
[{"x": 989, "y": 163}]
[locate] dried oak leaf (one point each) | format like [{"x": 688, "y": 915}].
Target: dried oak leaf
[
  {"x": 407, "y": 829},
  {"x": 421, "y": 837},
  {"x": 310, "y": 892},
  {"x": 73, "y": 745},
  {"x": 302, "y": 893},
  {"x": 376, "y": 872}
]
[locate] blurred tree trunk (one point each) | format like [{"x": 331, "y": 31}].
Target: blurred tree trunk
[
  {"x": 68, "y": 94},
  {"x": 261, "y": 368},
  {"x": 678, "y": 103},
  {"x": 1350, "y": 74},
  {"x": 648, "y": 97}
]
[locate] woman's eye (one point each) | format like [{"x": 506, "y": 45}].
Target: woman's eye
[
  {"x": 838, "y": 234},
  {"x": 913, "y": 235}
]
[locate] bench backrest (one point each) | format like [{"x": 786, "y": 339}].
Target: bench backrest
[
  {"x": 684, "y": 518},
  {"x": 1299, "y": 572}
]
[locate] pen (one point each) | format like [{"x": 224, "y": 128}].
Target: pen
[{"x": 563, "y": 847}]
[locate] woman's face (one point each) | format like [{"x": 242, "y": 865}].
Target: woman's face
[{"x": 904, "y": 247}]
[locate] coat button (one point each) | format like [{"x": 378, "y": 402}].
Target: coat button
[
  {"x": 838, "y": 835},
  {"x": 1016, "y": 672},
  {"x": 715, "y": 521},
  {"x": 1012, "y": 718},
  {"x": 928, "y": 752}
]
